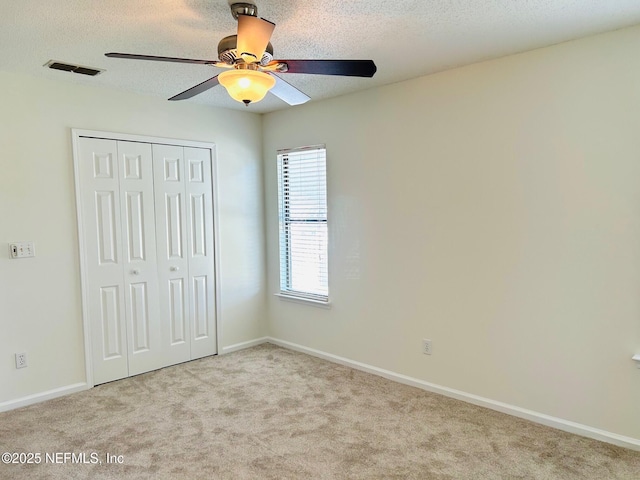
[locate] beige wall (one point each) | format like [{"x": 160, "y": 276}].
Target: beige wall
[
  {"x": 40, "y": 304},
  {"x": 494, "y": 209}
]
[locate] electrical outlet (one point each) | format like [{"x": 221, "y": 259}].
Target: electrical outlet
[
  {"x": 427, "y": 348},
  {"x": 21, "y": 360}
]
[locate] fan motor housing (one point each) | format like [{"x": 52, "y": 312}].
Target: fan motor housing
[
  {"x": 243, "y": 9},
  {"x": 228, "y": 51}
]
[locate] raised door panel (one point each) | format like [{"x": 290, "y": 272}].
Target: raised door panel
[
  {"x": 173, "y": 266},
  {"x": 140, "y": 319},
  {"x": 200, "y": 251},
  {"x": 98, "y": 172},
  {"x": 144, "y": 343},
  {"x": 178, "y": 320},
  {"x": 110, "y": 323}
]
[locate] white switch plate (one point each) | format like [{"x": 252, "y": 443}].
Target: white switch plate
[{"x": 22, "y": 250}]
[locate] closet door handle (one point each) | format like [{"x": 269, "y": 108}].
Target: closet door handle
[
  {"x": 174, "y": 269},
  {"x": 135, "y": 272}
]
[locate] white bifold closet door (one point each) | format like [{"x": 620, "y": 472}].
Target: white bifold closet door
[
  {"x": 184, "y": 231},
  {"x": 147, "y": 228}
]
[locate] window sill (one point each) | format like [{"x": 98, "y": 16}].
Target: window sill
[{"x": 306, "y": 301}]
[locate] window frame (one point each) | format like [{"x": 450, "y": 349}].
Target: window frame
[{"x": 285, "y": 222}]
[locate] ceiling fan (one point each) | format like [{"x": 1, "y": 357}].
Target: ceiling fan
[{"x": 251, "y": 69}]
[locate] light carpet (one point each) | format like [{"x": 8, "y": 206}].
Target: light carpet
[{"x": 271, "y": 413}]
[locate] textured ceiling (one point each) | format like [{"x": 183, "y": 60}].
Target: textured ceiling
[{"x": 405, "y": 38}]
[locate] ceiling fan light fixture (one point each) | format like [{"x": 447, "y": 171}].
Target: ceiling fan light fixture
[{"x": 246, "y": 86}]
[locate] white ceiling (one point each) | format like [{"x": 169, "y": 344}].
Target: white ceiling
[{"x": 405, "y": 38}]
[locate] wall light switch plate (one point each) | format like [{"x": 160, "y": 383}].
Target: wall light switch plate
[{"x": 22, "y": 250}]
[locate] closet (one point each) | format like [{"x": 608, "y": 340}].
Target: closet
[{"x": 146, "y": 230}]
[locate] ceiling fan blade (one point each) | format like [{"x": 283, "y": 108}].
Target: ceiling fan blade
[
  {"x": 253, "y": 37},
  {"x": 132, "y": 56},
  {"x": 193, "y": 91},
  {"x": 348, "y": 68},
  {"x": 287, "y": 92}
]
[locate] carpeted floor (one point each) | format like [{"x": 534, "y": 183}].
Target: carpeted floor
[{"x": 270, "y": 413}]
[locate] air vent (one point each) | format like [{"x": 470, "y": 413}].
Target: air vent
[{"x": 67, "y": 67}]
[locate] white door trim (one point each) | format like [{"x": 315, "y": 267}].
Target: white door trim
[{"x": 76, "y": 134}]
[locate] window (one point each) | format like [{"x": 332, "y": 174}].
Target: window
[{"x": 302, "y": 204}]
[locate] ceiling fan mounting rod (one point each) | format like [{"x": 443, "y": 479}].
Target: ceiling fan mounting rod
[{"x": 243, "y": 9}]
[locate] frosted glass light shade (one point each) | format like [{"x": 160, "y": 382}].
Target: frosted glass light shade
[{"x": 246, "y": 86}]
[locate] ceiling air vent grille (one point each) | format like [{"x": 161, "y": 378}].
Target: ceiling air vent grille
[{"x": 67, "y": 67}]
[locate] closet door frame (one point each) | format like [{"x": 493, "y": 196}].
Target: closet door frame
[{"x": 76, "y": 135}]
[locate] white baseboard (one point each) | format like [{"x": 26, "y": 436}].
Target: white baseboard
[
  {"x": 541, "y": 418},
  {"x": 78, "y": 387},
  {"x": 243, "y": 345},
  {"x": 41, "y": 397}
]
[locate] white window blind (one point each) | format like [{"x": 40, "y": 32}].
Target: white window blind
[{"x": 302, "y": 203}]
